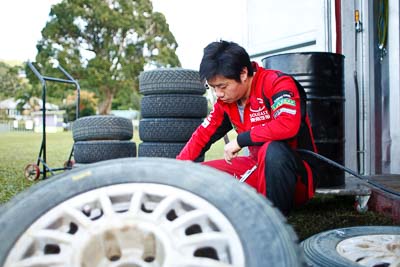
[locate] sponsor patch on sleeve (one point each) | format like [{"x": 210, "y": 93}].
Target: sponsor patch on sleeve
[
  {"x": 282, "y": 94},
  {"x": 284, "y": 110},
  {"x": 283, "y": 101}
]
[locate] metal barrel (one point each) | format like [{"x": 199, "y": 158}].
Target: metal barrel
[{"x": 322, "y": 76}]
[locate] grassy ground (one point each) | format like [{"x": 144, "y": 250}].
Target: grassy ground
[
  {"x": 19, "y": 149},
  {"x": 326, "y": 212}
]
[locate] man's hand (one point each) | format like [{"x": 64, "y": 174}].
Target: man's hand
[{"x": 231, "y": 150}]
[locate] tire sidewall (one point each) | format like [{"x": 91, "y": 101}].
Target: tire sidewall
[
  {"x": 174, "y": 105},
  {"x": 102, "y": 127},
  {"x": 170, "y": 81},
  {"x": 167, "y": 129},
  {"x": 94, "y": 151}
]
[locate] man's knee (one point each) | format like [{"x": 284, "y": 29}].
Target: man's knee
[
  {"x": 279, "y": 155},
  {"x": 280, "y": 175}
]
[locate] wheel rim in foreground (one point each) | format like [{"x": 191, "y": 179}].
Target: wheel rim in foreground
[{"x": 130, "y": 225}]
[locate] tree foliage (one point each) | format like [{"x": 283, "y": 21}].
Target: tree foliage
[
  {"x": 105, "y": 44},
  {"x": 12, "y": 84},
  {"x": 87, "y": 105}
]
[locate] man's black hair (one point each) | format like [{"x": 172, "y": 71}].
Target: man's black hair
[{"x": 224, "y": 58}]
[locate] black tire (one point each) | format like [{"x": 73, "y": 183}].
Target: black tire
[
  {"x": 174, "y": 105},
  {"x": 264, "y": 237},
  {"x": 162, "y": 150},
  {"x": 170, "y": 81},
  {"x": 94, "y": 151},
  {"x": 102, "y": 127},
  {"x": 321, "y": 249},
  {"x": 167, "y": 129}
]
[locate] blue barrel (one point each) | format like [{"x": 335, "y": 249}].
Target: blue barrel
[{"x": 322, "y": 76}]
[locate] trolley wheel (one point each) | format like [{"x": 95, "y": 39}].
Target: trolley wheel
[
  {"x": 361, "y": 203},
  {"x": 32, "y": 172},
  {"x": 69, "y": 164}
]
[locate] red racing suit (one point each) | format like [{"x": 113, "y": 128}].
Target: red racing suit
[{"x": 275, "y": 111}]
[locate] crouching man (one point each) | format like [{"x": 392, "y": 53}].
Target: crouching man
[{"x": 267, "y": 110}]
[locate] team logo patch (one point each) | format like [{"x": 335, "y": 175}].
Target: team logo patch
[
  {"x": 284, "y": 110},
  {"x": 282, "y": 94},
  {"x": 258, "y": 111},
  {"x": 259, "y": 116},
  {"x": 256, "y": 105},
  {"x": 283, "y": 101}
]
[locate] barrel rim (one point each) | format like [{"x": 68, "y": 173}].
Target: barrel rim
[{"x": 306, "y": 53}]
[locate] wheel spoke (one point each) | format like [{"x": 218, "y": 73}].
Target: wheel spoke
[
  {"x": 164, "y": 207},
  {"x": 217, "y": 241},
  {"x": 43, "y": 260},
  {"x": 200, "y": 262},
  {"x": 78, "y": 217},
  {"x": 188, "y": 219},
  {"x": 106, "y": 205},
  {"x": 356, "y": 255},
  {"x": 53, "y": 236},
  {"x": 136, "y": 202},
  {"x": 377, "y": 260}
]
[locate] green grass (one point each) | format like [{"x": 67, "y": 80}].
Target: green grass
[
  {"x": 18, "y": 149},
  {"x": 326, "y": 212},
  {"x": 320, "y": 214}
]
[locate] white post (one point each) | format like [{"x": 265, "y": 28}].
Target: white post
[{"x": 394, "y": 84}]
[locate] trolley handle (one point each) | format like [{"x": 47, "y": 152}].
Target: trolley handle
[
  {"x": 78, "y": 88},
  {"x": 70, "y": 80},
  {"x": 47, "y": 78},
  {"x": 36, "y": 72}
]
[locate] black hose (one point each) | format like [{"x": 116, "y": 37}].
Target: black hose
[{"x": 343, "y": 168}]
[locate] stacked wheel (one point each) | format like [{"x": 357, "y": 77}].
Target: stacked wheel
[
  {"x": 172, "y": 107},
  {"x": 102, "y": 137}
]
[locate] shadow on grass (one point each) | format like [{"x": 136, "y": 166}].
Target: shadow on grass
[{"x": 326, "y": 212}]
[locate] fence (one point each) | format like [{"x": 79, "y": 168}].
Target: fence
[{"x": 16, "y": 126}]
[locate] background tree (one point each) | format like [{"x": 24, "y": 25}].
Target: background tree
[
  {"x": 87, "y": 105},
  {"x": 105, "y": 44},
  {"x": 12, "y": 83}
]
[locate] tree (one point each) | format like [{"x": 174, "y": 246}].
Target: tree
[
  {"x": 87, "y": 105},
  {"x": 12, "y": 84},
  {"x": 105, "y": 44}
]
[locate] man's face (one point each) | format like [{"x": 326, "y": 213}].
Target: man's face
[{"x": 227, "y": 90}]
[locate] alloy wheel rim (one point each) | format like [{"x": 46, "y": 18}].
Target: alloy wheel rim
[
  {"x": 371, "y": 250},
  {"x": 130, "y": 225}
]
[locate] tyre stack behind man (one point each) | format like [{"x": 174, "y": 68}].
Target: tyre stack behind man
[{"x": 172, "y": 107}]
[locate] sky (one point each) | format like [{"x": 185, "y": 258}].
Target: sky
[
  {"x": 21, "y": 22},
  {"x": 194, "y": 23}
]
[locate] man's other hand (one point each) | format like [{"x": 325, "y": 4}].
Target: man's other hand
[{"x": 231, "y": 150}]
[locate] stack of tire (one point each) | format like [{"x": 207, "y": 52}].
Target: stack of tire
[
  {"x": 172, "y": 107},
  {"x": 102, "y": 137}
]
